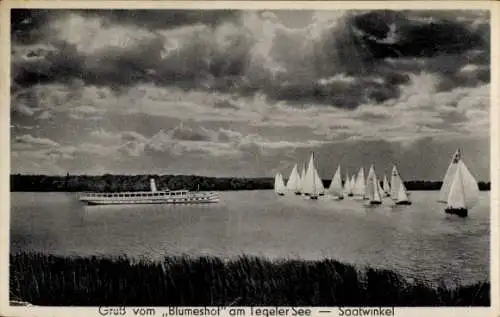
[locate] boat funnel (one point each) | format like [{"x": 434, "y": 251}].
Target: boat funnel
[{"x": 153, "y": 184}]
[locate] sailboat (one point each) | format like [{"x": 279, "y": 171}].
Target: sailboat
[
  {"x": 449, "y": 177},
  {"x": 279, "y": 186},
  {"x": 380, "y": 189},
  {"x": 359, "y": 186},
  {"x": 301, "y": 177},
  {"x": 347, "y": 186},
  {"x": 373, "y": 188},
  {"x": 351, "y": 186},
  {"x": 312, "y": 185},
  {"x": 335, "y": 188},
  {"x": 398, "y": 190},
  {"x": 463, "y": 191},
  {"x": 371, "y": 173},
  {"x": 402, "y": 198},
  {"x": 386, "y": 187},
  {"x": 395, "y": 182},
  {"x": 293, "y": 184}
]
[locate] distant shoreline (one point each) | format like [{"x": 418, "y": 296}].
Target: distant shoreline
[{"x": 114, "y": 183}]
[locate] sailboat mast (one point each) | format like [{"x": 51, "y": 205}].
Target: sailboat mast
[{"x": 313, "y": 174}]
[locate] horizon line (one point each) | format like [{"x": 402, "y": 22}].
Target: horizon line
[{"x": 196, "y": 175}]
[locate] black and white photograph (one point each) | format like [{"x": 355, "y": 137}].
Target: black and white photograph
[{"x": 236, "y": 157}]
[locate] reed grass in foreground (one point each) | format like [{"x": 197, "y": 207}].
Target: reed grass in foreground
[{"x": 183, "y": 281}]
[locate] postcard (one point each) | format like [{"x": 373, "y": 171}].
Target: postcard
[{"x": 250, "y": 159}]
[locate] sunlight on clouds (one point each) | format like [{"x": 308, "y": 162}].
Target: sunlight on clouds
[{"x": 91, "y": 36}]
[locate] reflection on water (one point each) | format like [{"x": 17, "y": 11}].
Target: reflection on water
[{"x": 418, "y": 240}]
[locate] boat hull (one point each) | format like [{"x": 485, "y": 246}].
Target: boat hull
[
  {"x": 298, "y": 193},
  {"x": 280, "y": 194},
  {"x": 403, "y": 203},
  {"x": 190, "y": 199},
  {"x": 461, "y": 212},
  {"x": 313, "y": 197},
  {"x": 375, "y": 202}
]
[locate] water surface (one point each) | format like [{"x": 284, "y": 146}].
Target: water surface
[{"x": 418, "y": 240}]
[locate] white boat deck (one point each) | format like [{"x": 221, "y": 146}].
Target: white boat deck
[{"x": 149, "y": 197}]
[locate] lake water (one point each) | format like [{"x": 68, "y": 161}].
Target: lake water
[{"x": 418, "y": 240}]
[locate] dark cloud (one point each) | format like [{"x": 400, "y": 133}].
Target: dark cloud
[
  {"x": 162, "y": 19},
  {"x": 414, "y": 39},
  {"x": 61, "y": 65},
  {"x": 388, "y": 45},
  {"x": 30, "y": 25}
]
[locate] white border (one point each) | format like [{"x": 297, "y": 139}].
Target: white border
[{"x": 5, "y": 7}]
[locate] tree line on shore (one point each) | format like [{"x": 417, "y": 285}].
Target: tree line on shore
[{"x": 114, "y": 183}]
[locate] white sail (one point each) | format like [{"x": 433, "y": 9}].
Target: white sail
[
  {"x": 449, "y": 177},
  {"x": 376, "y": 192},
  {"x": 336, "y": 184},
  {"x": 369, "y": 188},
  {"x": 372, "y": 188},
  {"x": 302, "y": 177},
  {"x": 470, "y": 186},
  {"x": 319, "y": 183},
  {"x": 279, "y": 186},
  {"x": 299, "y": 178},
  {"x": 380, "y": 190},
  {"x": 456, "y": 195},
  {"x": 395, "y": 182},
  {"x": 310, "y": 182},
  {"x": 347, "y": 185},
  {"x": 386, "y": 187},
  {"x": 402, "y": 194},
  {"x": 371, "y": 173},
  {"x": 359, "y": 186},
  {"x": 293, "y": 183}
]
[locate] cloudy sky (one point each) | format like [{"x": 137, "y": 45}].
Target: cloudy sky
[{"x": 248, "y": 93}]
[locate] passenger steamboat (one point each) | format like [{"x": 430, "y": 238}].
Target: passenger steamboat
[{"x": 153, "y": 196}]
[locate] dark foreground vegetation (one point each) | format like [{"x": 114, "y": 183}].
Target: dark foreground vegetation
[
  {"x": 110, "y": 183},
  {"x": 184, "y": 281}
]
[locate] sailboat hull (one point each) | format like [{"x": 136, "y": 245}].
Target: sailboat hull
[
  {"x": 461, "y": 212},
  {"x": 281, "y": 194},
  {"x": 403, "y": 203},
  {"x": 298, "y": 193},
  {"x": 375, "y": 202},
  {"x": 313, "y": 197}
]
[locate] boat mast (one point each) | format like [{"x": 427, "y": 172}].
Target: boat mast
[{"x": 313, "y": 174}]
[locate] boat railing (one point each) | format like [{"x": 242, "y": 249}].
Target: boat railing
[{"x": 84, "y": 195}]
